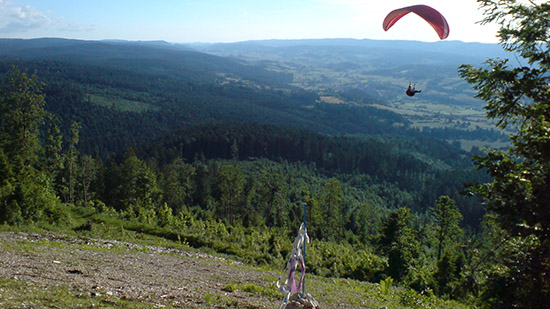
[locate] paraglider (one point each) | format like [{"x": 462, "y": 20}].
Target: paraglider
[
  {"x": 429, "y": 14},
  {"x": 411, "y": 91}
]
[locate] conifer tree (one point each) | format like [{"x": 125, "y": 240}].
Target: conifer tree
[
  {"x": 398, "y": 242},
  {"x": 52, "y": 161},
  {"x": 71, "y": 164},
  {"x": 272, "y": 197},
  {"x": 447, "y": 218},
  {"x": 230, "y": 187},
  {"x": 518, "y": 97},
  {"x": 26, "y": 192},
  {"x": 177, "y": 184},
  {"x": 138, "y": 190},
  {"x": 22, "y": 108},
  {"x": 332, "y": 200},
  {"x": 89, "y": 174}
]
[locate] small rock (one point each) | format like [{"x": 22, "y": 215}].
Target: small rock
[
  {"x": 75, "y": 271},
  {"x": 296, "y": 301}
]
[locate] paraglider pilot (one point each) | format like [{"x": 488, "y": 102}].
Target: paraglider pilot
[{"x": 411, "y": 91}]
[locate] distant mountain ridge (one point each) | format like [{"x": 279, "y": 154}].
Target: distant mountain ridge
[
  {"x": 444, "y": 51},
  {"x": 381, "y": 68},
  {"x": 153, "y": 57},
  {"x": 455, "y": 51}
]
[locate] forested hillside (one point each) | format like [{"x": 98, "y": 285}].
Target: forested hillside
[
  {"x": 123, "y": 96},
  {"x": 224, "y": 155},
  {"x": 420, "y": 169},
  {"x": 156, "y": 88},
  {"x": 376, "y": 73},
  {"x": 228, "y": 163}
]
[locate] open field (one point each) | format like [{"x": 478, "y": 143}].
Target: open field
[
  {"x": 363, "y": 72},
  {"x": 121, "y": 104}
]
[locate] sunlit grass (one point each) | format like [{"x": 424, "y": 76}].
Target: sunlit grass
[
  {"x": 332, "y": 292},
  {"x": 20, "y": 294},
  {"x": 121, "y": 104}
]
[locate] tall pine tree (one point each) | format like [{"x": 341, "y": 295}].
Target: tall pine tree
[
  {"x": 518, "y": 96},
  {"x": 26, "y": 192}
]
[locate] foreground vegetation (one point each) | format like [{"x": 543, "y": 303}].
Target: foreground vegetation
[{"x": 244, "y": 287}]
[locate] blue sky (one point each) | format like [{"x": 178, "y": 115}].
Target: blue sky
[{"x": 233, "y": 20}]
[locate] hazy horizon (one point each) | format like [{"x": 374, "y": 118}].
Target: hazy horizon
[{"x": 216, "y": 21}]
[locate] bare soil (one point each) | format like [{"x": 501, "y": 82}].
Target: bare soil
[{"x": 154, "y": 276}]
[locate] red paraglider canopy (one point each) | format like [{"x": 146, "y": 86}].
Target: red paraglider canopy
[{"x": 431, "y": 15}]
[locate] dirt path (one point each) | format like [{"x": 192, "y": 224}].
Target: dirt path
[{"x": 152, "y": 275}]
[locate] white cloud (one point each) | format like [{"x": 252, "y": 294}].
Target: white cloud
[{"x": 22, "y": 20}]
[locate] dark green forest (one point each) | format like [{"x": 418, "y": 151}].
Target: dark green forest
[
  {"x": 98, "y": 82},
  {"x": 240, "y": 189},
  {"x": 223, "y": 155}
]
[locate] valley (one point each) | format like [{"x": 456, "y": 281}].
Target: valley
[
  {"x": 376, "y": 73},
  {"x": 222, "y": 147}
]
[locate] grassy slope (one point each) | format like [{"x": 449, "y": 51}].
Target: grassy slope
[{"x": 210, "y": 281}]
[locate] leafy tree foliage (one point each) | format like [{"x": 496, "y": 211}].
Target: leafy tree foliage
[
  {"x": 272, "y": 195},
  {"x": 69, "y": 172},
  {"x": 342, "y": 260},
  {"x": 89, "y": 177},
  {"x": 22, "y": 114},
  {"x": 132, "y": 187},
  {"x": 519, "y": 194},
  {"x": 445, "y": 274}
]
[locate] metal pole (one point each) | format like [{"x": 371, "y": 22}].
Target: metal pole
[{"x": 304, "y": 253}]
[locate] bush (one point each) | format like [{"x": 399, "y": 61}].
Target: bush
[{"x": 340, "y": 260}]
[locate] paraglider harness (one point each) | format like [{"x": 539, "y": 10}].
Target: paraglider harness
[{"x": 411, "y": 91}]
